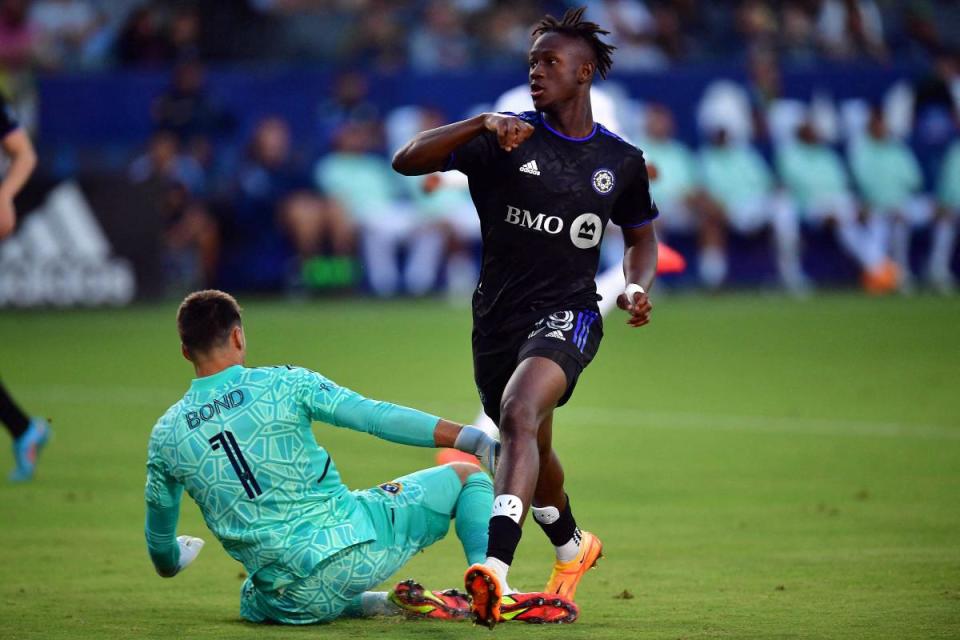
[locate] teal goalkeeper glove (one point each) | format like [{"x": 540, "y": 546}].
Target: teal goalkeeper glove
[
  {"x": 481, "y": 444},
  {"x": 190, "y": 548}
]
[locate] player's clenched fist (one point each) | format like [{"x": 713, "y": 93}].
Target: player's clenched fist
[
  {"x": 635, "y": 301},
  {"x": 511, "y": 131}
]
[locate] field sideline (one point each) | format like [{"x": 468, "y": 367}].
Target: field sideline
[{"x": 757, "y": 467}]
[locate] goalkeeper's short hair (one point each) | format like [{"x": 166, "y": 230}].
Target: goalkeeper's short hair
[{"x": 205, "y": 320}]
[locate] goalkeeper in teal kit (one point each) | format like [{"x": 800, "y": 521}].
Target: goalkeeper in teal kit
[{"x": 240, "y": 443}]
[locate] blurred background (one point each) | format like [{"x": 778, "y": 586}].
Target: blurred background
[
  {"x": 801, "y": 144},
  {"x": 757, "y": 467}
]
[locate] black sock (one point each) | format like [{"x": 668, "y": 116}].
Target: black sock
[
  {"x": 11, "y": 415},
  {"x": 563, "y": 529},
  {"x": 504, "y": 538}
]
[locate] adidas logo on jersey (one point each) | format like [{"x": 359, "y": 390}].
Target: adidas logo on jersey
[
  {"x": 530, "y": 167},
  {"x": 555, "y": 334}
]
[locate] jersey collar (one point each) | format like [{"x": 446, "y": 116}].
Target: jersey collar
[
  {"x": 590, "y": 135},
  {"x": 211, "y": 382}
]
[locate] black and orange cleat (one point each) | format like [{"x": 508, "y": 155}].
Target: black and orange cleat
[{"x": 486, "y": 593}]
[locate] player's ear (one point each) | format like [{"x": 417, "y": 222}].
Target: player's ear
[
  {"x": 185, "y": 352},
  {"x": 239, "y": 340},
  {"x": 585, "y": 72}
]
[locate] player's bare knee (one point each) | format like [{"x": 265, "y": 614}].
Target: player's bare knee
[
  {"x": 464, "y": 469},
  {"x": 518, "y": 419}
]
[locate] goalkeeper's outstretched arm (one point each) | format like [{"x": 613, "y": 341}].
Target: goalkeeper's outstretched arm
[{"x": 341, "y": 407}]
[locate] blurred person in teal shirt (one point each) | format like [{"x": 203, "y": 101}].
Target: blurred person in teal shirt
[
  {"x": 738, "y": 178},
  {"x": 363, "y": 183},
  {"x": 889, "y": 179},
  {"x": 677, "y": 188},
  {"x": 443, "y": 202},
  {"x": 817, "y": 179}
]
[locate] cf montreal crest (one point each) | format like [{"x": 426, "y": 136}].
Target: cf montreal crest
[{"x": 603, "y": 181}]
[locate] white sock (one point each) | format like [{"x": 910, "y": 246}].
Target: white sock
[
  {"x": 375, "y": 603},
  {"x": 569, "y": 550},
  {"x": 500, "y": 568}
]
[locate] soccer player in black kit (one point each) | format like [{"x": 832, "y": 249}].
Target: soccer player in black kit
[
  {"x": 29, "y": 434},
  {"x": 545, "y": 183}
]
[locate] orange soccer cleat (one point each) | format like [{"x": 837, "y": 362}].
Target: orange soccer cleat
[
  {"x": 486, "y": 594},
  {"x": 566, "y": 575}
]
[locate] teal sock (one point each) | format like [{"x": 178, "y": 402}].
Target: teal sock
[{"x": 473, "y": 514}]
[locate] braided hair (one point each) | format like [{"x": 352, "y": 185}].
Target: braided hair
[{"x": 573, "y": 25}]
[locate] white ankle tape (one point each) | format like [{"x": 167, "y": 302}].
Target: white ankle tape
[
  {"x": 545, "y": 515},
  {"x": 508, "y": 505}
]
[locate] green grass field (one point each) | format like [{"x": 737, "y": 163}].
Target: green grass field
[{"x": 757, "y": 468}]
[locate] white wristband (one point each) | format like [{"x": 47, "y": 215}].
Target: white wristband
[{"x": 631, "y": 289}]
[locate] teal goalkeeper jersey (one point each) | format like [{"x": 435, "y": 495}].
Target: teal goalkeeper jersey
[{"x": 240, "y": 442}]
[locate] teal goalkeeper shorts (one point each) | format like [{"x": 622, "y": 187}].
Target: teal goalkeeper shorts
[{"x": 408, "y": 514}]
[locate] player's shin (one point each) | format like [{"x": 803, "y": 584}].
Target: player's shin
[{"x": 472, "y": 515}]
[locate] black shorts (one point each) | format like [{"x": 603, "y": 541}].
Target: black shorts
[{"x": 569, "y": 338}]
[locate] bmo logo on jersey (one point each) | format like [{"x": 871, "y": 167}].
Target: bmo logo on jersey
[
  {"x": 585, "y": 232},
  {"x": 542, "y": 222}
]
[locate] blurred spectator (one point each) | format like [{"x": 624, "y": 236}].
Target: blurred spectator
[
  {"x": 443, "y": 205},
  {"x": 757, "y": 25},
  {"x": 676, "y": 186},
  {"x": 633, "y": 29},
  {"x": 736, "y": 176},
  {"x": 349, "y": 102},
  {"x": 64, "y": 28},
  {"x": 380, "y": 40},
  {"x": 187, "y": 109},
  {"x": 851, "y": 28},
  {"x": 936, "y": 110},
  {"x": 798, "y": 36},
  {"x": 274, "y": 218},
  {"x": 945, "y": 225},
  {"x": 815, "y": 175},
  {"x": 164, "y": 161},
  {"x": 504, "y": 35},
  {"x": 365, "y": 185},
  {"x": 765, "y": 87},
  {"x": 18, "y": 39},
  {"x": 191, "y": 241},
  {"x": 143, "y": 41},
  {"x": 440, "y": 41},
  {"x": 888, "y": 176},
  {"x": 185, "y": 34}
]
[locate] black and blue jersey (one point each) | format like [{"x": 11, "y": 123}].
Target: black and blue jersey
[{"x": 543, "y": 208}]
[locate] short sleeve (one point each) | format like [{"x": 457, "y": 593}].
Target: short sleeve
[
  {"x": 634, "y": 206},
  {"x": 8, "y": 120},
  {"x": 476, "y": 156}
]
